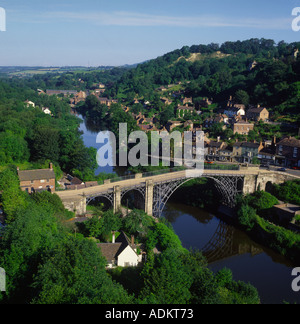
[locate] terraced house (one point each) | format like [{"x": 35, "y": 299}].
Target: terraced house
[{"x": 288, "y": 150}]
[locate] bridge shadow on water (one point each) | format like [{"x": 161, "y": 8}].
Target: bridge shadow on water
[{"x": 202, "y": 230}]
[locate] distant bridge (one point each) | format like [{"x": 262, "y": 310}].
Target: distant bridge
[{"x": 157, "y": 187}]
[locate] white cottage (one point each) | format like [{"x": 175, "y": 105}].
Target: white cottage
[{"x": 121, "y": 253}]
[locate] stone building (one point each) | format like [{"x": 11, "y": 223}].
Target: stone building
[
  {"x": 258, "y": 114},
  {"x": 242, "y": 128}
]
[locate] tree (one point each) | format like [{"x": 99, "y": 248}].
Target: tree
[
  {"x": 74, "y": 273},
  {"x": 13, "y": 148},
  {"x": 12, "y": 198},
  {"x": 242, "y": 97},
  {"x": 111, "y": 222},
  {"x": 168, "y": 283},
  {"x": 136, "y": 221},
  {"x": 45, "y": 144}
]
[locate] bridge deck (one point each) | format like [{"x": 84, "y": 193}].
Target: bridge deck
[{"x": 91, "y": 191}]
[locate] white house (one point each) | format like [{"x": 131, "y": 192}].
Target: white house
[
  {"x": 237, "y": 110},
  {"x": 120, "y": 253},
  {"x": 30, "y": 104},
  {"x": 46, "y": 111}
]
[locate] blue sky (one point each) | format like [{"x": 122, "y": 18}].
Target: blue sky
[{"x": 117, "y": 32}]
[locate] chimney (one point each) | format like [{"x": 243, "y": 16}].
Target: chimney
[
  {"x": 132, "y": 239},
  {"x": 51, "y": 166},
  {"x": 113, "y": 237},
  {"x": 18, "y": 169}
]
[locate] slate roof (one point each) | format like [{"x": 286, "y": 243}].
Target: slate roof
[
  {"x": 289, "y": 141},
  {"x": 111, "y": 251},
  {"x": 256, "y": 110},
  {"x": 31, "y": 175}
]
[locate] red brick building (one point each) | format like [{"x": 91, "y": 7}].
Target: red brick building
[{"x": 37, "y": 180}]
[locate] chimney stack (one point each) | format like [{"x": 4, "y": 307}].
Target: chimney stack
[
  {"x": 132, "y": 239},
  {"x": 51, "y": 166},
  {"x": 113, "y": 237}
]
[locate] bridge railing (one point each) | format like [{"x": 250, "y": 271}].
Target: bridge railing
[{"x": 156, "y": 173}]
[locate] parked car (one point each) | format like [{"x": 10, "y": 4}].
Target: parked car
[
  {"x": 296, "y": 168},
  {"x": 282, "y": 170}
]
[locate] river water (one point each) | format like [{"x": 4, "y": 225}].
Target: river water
[{"x": 225, "y": 246}]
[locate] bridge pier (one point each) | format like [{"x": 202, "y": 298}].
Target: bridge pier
[
  {"x": 76, "y": 205},
  {"x": 149, "y": 197},
  {"x": 117, "y": 199}
]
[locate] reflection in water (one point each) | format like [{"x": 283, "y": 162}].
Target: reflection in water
[{"x": 225, "y": 246}]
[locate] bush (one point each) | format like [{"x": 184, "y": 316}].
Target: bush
[
  {"x": 247, "y": 216},
  {"x": 288, "y": 192},
  {"x": 262, "y": 200}
]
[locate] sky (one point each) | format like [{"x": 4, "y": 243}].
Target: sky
[{"x": 118, "y": 32}]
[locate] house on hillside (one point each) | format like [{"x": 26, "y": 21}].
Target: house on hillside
[
  {"x": 234, "y": 110},
  {"x": 288, "y": 151},
  {"x": 33, "y": 181},
  {"x": 187, "y": 101},
  {"x": 66, "y": 93},
  {"x": 107, "y": 102},
  {"x": 242, "y": 128},
  {"x": 214, "y": 149},
  {"x": 29, "y": 104},
  {"x": 183, "y": 110},
  {"x": 258, "y": 114},
  {"x": 46, "y": 111},
  {"x": 122, "y": 252},
  {"x": 173, "y": 124},
  {"x": 245, "y": 152}
]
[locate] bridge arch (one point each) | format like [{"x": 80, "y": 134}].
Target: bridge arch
[
  {"x": 107, "y": 197},
  {"x": 134, "y": 197},
  {"x": 228, "y": 187}
]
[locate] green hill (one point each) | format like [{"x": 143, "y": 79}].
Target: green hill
[{"x": 217, "y": 72}]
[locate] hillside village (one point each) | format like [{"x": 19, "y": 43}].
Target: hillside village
[{"x": 231, "y": 118}]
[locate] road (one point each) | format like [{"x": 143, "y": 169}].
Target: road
[{"x": 292, "y": 172}]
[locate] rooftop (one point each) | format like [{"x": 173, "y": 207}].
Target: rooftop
[
  {"x": 31, "y": 175},
  {"x": 290, "y": 141}
]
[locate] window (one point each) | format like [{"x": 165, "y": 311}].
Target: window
[{"x": 295, "y": 152}]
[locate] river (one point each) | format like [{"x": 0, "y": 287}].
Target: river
[{"x": 225, "y": 246}]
